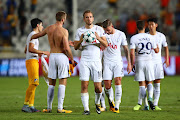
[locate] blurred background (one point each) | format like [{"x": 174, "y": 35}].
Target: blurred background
[{"x": 15, "y": 16}]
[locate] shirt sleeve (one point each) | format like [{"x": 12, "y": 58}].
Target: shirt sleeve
[
  {"x": 77, "y": 36},
  {"x": 101, "y": 32},
  {"x": 164, "y": 42},
  {"x": 132, "y": 43},
  {"x": 124, "y": 39},
  {"x": 33, "y": 41}
]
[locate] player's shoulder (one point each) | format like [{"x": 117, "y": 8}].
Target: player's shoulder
[
  {"x": 121, "y": 33},
  {"x": 31, "y": 34},
  {"x": 81, "y": 29},
  {"x": 160, "y": 34},
  {"x": 135, "y": 36},
  {"x": 96, "y": 27}
]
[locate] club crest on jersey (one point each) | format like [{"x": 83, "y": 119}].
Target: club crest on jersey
[{"x": 35, "y": 80}]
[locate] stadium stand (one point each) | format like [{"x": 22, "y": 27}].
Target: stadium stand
[{"x": 46, "y": 9}]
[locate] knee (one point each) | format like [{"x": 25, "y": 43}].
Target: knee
[
  {"x": 84, "y": 89},
  {"x": 118, "y": 81}
]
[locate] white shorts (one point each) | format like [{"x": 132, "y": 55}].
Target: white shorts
[
  {"x": 144, "y": 71},
  {"x": 158, "y": 71},
  {"x": 93, "y": 69},
  {"x": 58, "y": 66},
  {"x": 111, "y": 70}
]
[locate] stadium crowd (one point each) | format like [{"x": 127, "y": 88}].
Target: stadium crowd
[{"x": 13, "y": 18}]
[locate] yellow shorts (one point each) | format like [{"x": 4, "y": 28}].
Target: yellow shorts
[{"x": 32, "y": 67}]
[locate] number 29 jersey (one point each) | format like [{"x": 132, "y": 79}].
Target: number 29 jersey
[{"x": 144, "y": 44}]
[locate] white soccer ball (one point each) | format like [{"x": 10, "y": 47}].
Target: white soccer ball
[{"x": 89, "y": 36}]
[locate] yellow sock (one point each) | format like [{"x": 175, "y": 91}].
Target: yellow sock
[
  {"x": 31, "y": 101},
  {"x": 29, "y": 92}
]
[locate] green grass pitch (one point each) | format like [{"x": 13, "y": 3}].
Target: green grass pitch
[{"x": 12, "y": 94}]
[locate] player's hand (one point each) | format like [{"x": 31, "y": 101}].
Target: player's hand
[
  {"x": 97, "y": 36},
  {"x": 133, "y": 68},
  {"x": 40, "y": 54},
  {"x": 46, "y": 53},
  {"x": 71, "y": 43},
  {"x": 167, "y": 63},
  {"x": 129, "y": 68}
]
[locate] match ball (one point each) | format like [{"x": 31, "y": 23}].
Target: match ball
[{"x": 89, "y": 36}]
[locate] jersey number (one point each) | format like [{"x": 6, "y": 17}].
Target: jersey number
[{"x": 148, "y": 47}]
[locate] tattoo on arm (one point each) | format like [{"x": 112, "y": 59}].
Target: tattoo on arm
[{"x": 126, "y": 51}]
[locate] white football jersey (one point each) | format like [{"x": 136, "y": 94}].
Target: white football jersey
[
  {"x": 30, "y": 55},
  {"x": 160, "y": 39},
  {"x": 113, "y": 52},
  {"x": 144, "y": 44},
  {"x": 90, "y": 52}
]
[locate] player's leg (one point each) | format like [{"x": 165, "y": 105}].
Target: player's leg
[
  {"x": 96, "y": 76},
  {"x": 62, "y": 63},
  {"x": 84, "y": 77},
  {"x": 85, "y": 96},
  {"x": 107, "y": 77},
  {"x": 149, "y": 75},
  {"x": 50, "y": 95},
  {"x": 110, "y": 94},
  {"x": 61, "y": 96},
  {"x": 159, "y": 74},
  {"x": 33, "y": 76},
  {"x": 118, "y": 74},
  {"x": 98, "y": 94},
  {"x": 118, "y": 93},
  {"x": 140, "y": 77},
  {"x": 52, "y": 75},
  {"x": 150, "y": 94},
  {"x": 102, "y": 99},
  {"x": 156, "y": 93}
]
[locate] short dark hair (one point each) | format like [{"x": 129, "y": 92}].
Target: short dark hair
[
  {"x": 87, "y": 11},
  {"x": 140, "y": 24},
  {"x": 152, "y": 19},
  {"x": 107, "y": 23},
  {"x": 34, "y": 22},
  {"x": 60, "y": 15},
  {"x": 99, "y": 24}
]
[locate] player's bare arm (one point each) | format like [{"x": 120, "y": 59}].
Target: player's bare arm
[
  {"x": 77, "y": 44},
  {"x": 126, "y": 51},
  {"x": 102, "y": 40},
  {"x": 166, "y": 49},
  {"x": 67, "y": 48},
  {"x": 40, "y": 34},
  {"x": 132, "y": 56},
  {"x": 39, "y": 52},
  {"x": 25, "y": 49}
]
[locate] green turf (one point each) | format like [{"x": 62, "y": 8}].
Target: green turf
[{"x": 12, "y": 94}]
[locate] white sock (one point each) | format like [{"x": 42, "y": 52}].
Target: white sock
[
  {"x": 61, "y": 96},
  {"x": 50, "y": 96},
  {"x": 143, "y": 92},
  {"x": 85, "y": 101},
  {"x": 156, "y": 93},
  {"x": 150, "y": 90},
  {"x": 146, "y": 101},
  {"x": 97, "y": 97},
  {"x": 110, "y": 94},
  {"x": 118, "y": 94},
  {"x": 103, "y": 99},
  {"x": 139, "y": 97}
]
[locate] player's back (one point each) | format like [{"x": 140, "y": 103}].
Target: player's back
[
  {"x": 144, "y": 44},
  {"x": 56, "y": 36}
]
